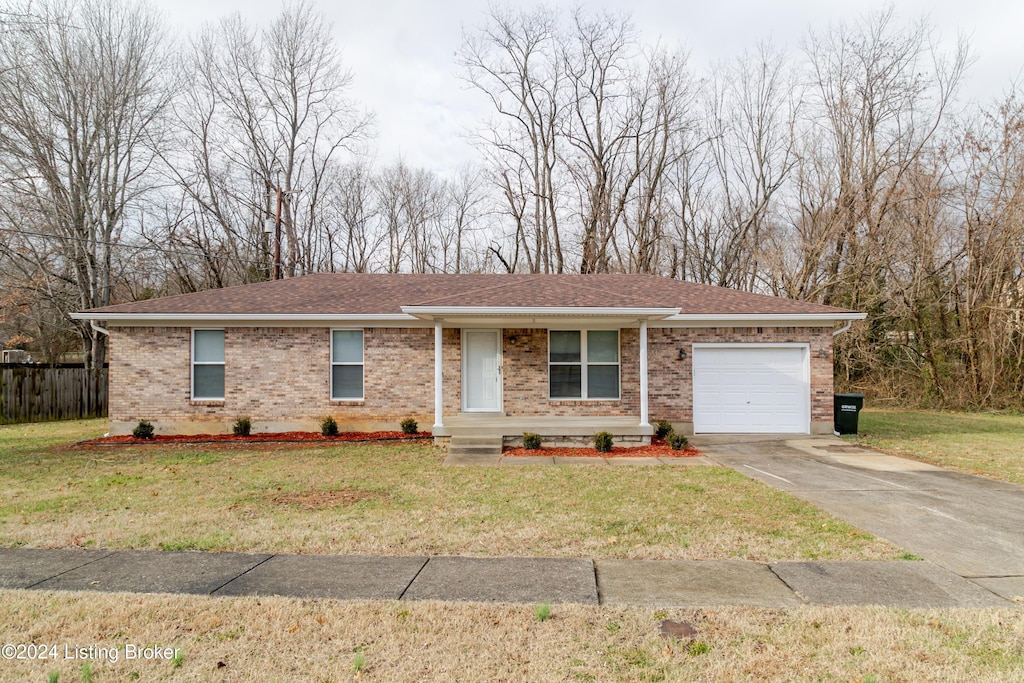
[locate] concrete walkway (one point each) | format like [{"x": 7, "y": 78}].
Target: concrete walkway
[
  {"x": 497, "y": 459},
  {"x": 968, "y": 525},
  {"x": 520, "y": 580}
]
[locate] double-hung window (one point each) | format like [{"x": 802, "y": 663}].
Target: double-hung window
[
  {"x": 208, "y": 365},
  {"x": 346, "y": 365},
  {"x": 583, "y": 364}
]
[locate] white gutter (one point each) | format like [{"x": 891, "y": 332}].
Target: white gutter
[
  {"x": 668, "y": 317},
  {"x": 234, "y": 317},
  {"x": 428, "y": 312},
  {"x": 765, "y": 317}
]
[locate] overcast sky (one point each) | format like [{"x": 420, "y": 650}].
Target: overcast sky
[{"x": 402, "y": 51}]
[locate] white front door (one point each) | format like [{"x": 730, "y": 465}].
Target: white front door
[{"x": 481, "y": 371}]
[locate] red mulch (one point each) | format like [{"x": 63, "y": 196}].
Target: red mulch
[
  {"x": 266, "y": 437},
  {"x": 659, "y": 448}
]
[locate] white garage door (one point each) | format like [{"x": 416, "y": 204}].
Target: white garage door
[{"x": 751, "y": 388}]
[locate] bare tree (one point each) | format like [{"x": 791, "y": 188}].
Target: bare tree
[
  {"x": 84, "y": 90},
  {"x": 514, "y": 60},
  {"x": 269, "y": 109}
]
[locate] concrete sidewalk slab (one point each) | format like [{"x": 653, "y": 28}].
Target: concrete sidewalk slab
[
  {"x": 154, "y": 571},
  {"x": 689, "y": 461},
  {"x": 579, "y": 460},
  {"x": 339, "y": 577},
  {"x": 690, "y": 583},
  {"x": 26, "y": 567},
  {"x": 528, "y": 460},
  {"x": 1009, "y": 587},
  {"x": 638, "y": 461},
  {"x": 505, "y": 579},
  {"x": 897, "y": 584}
]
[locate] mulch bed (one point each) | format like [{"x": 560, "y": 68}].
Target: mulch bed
[
  {"x": 659, "y": 448},
  {"x": 266, "y": 437}
]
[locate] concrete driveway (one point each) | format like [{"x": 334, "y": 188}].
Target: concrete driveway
[{"x": 969, "y": 525}]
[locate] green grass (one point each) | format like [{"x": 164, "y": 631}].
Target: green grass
[
  {"x": 394, "y": 499},
  {"x": 976, "y": 443}
]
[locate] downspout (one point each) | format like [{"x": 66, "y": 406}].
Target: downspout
[
  {"x": 844, "y": 328},
  {"x": 102, "y": 330}
]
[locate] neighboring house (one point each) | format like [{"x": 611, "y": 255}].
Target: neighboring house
[{"x": 561, "y": 355}]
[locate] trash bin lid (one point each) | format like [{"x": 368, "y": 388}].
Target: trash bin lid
[{"x": 849, "y": 395}]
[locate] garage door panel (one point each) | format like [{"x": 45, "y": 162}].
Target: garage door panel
[{"x": 750, "y": 388}]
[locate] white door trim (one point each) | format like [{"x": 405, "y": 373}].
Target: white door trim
[
  {"x": 465, "y": 373},
  {"x": 805, "y": 347}
]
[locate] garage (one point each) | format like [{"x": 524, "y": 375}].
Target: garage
[{"x": 751, "y": 388}]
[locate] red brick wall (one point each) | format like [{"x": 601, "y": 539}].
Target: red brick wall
[
  {"x": 280, "y": 377},
  {"x": 274, "y": 376},
  {"x": 525, "y": 377}
]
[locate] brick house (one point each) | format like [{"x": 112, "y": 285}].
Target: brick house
[{"x": 561, "y": 355}]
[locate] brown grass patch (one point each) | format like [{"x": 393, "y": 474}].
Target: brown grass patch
[
  {"x": 318, "y": 500},
  {"x": 279, "y": 639}
]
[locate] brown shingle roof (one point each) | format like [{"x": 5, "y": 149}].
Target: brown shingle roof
[{"x": 352, "y": 293}]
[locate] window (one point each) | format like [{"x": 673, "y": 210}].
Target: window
[
  {"x": 583, "y": 364},
  {"x": 346, "y": 365},
  {"x": 208, "y": 365}
]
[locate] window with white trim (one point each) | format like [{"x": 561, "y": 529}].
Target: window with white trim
[
  {"x": 583, "y": 364},
  {"x": 346, "y": 365},
  {"x": 208, "y": 365}
]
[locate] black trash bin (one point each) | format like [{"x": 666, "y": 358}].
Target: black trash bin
[{"x": 846, "y": 409}]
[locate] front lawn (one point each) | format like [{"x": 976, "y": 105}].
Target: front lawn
[
  {"x": 394, "y": 499},
  {"x": 976, "y": 443}
]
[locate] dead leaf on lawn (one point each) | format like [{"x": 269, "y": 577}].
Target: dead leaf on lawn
[{"x": 317, "y": 500}]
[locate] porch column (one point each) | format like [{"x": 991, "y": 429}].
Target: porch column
[
  {"x": 644, "y": 416},
  {"x": 438, "y": 397}
]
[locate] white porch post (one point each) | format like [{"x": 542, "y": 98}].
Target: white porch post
[
  {"x": 644, "y": 416},
  {"x": 438, "y": 396}
]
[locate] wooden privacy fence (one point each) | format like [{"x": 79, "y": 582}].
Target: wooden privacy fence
[{"x": 35, "y": 394}]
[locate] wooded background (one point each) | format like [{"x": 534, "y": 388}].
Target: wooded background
[{"x": 847, "y": 172}]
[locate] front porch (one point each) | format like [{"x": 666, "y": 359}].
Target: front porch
[{"x": 552, "y": 429}]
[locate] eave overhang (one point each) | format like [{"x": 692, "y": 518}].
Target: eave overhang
[{"x": 418, "y": 316}]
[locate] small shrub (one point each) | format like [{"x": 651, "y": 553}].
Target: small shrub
[
  {"x": 543, "y": 611},
  {"x": 664, "y": 429},
  {"x": 409, "y": 426},
  {"x": 678, "y": 441},
  {"x": 603, "y": 442},
  {"x": 144, "y": 430},
  {"x": 329, "y": 426},
  {"x": 531, "y": 441},
  {"x": 242, "y": 426}
]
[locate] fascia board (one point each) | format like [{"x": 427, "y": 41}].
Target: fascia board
[
  {"x": 537, "y": 311},
  {"x": 243, "y": 317}
]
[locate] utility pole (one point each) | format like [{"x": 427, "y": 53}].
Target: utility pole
[{"x": 277, "y": 237}]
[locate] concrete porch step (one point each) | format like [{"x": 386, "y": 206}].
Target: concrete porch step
[{"x": 470, "y": 449}]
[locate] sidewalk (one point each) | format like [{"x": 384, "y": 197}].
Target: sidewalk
[{"x": 648, "y": 583}]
